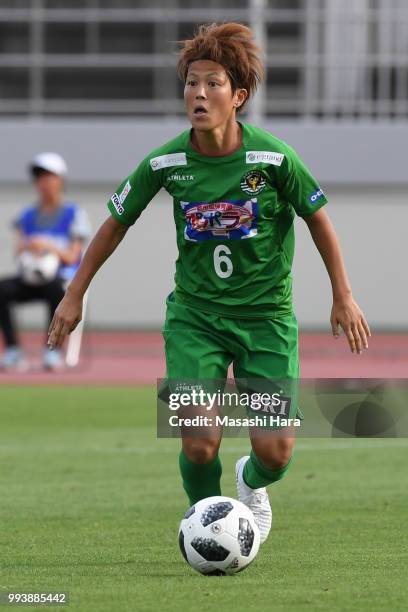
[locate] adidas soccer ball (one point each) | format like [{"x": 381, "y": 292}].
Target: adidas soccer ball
[{"x": 218, "y": 536}]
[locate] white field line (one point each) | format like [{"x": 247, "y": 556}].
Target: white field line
[
  {"x": 160, "y": 446},
  {"x": 401, "y": 443}
]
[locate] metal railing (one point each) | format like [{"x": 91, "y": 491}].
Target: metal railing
[{"x": 324, "y": 58}]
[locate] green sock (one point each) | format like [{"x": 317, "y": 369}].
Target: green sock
[
  {"x": 200, "y": 480},
  {"x": 257, "y": 475}
]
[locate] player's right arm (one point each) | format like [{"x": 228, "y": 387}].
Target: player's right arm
[{"x": 69, "y": 312}]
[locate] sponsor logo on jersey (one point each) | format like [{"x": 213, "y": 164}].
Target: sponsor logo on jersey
[
  {"x": 181, "y": 177},
  {"x": 316, "y": 195},
  {"x": 264, "y": 157},
  {"x": 228, "y": 219},
  {"x": 123, "y": 195},
  {"x": 117, "y": 204},
  {"x": 253, "y": 182},
  {"x": 166, "y": 161}
]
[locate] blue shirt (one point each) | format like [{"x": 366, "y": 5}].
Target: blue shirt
[{"x": 67, "y": 223}]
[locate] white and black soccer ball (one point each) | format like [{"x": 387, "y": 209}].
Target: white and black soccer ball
[
  {"x": 218, "y": 535},
  {"x": 38, "y": 269}
]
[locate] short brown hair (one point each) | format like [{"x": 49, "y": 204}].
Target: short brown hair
[{"x": 229, "y": 44}]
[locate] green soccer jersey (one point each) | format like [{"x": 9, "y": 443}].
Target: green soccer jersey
[{"x": 234, "y": 220}]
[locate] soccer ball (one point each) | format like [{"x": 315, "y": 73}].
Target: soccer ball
[
  {"x": 38, "y": 269},
  {"x": 218, "y": 536}
]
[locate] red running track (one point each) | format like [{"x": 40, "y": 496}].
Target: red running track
[{"x": 134, "y": 358}]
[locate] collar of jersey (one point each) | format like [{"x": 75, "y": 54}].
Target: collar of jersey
[{"x": 217, "y": 158}]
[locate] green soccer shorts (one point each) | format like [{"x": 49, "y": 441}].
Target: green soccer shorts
[{"x": 200, "y": 346}]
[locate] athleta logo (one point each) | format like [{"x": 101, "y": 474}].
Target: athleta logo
[
  {"x": 316, "y": 195},
  {"x": 264, "y": 157},
  {"x": 181, "y": 177},
  {"x": 166, "y": 161}
]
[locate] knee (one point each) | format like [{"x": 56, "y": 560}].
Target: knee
[
  {"x": 275, "y": 457},
  {"x": 277, "y": 461},
  {"x": 200, "y": 451}
]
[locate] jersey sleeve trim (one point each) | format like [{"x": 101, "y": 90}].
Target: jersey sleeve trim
[
  {"x": 322, "y": 202},
  {"x": 135, "y": 193}
]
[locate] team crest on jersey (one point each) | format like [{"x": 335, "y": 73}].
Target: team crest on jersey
[
  {"x": 228, "y": 219},
  {"x": 253, "y": 182}
]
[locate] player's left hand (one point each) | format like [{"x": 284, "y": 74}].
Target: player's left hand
[
  {"x": 66, "y": 317},
  {"x": 348, "y": 315}
]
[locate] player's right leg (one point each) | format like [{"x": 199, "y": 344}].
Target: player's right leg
[
  {"x": 200, "y": 467},
  {"x": 196, "y": 357}
]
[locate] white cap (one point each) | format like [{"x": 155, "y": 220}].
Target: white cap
[{"x": 52, "y": 162}]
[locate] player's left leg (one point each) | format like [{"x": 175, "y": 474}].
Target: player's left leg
[
  {"x": 268, "y": 462},
  {"x": 270, "y": 458},
  {"x": 270, "y": 356}
]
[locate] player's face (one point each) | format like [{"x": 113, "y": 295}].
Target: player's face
[
  {"x": 208, "y": 95},
  {"x": 49, "y": 186}
]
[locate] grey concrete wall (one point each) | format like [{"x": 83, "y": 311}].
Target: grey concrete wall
[
  {"x": 343, "y": 152},
  {"x": 131, "y": 288}
]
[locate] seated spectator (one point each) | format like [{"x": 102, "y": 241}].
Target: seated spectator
[{"x": 50, "y": 241}]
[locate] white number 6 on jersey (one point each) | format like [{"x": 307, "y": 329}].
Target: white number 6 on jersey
[{"x": 220, "y": 257}]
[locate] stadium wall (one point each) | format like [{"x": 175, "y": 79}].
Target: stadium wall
[
  {"x": 340, "y": 152},
  {"x": 360, "y": 167},
  {"x": 131, "y": 288}
]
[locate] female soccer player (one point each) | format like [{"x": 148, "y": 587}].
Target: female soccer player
[{"x": 235, "y": 189}]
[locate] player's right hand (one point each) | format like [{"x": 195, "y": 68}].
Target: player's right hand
[{"x": 66, "y": 317}]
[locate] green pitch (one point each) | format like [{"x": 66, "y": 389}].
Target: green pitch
[{"x": 90, "y": 503}]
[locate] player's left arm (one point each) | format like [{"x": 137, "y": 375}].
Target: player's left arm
[{"x": 345, "y": 311}]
